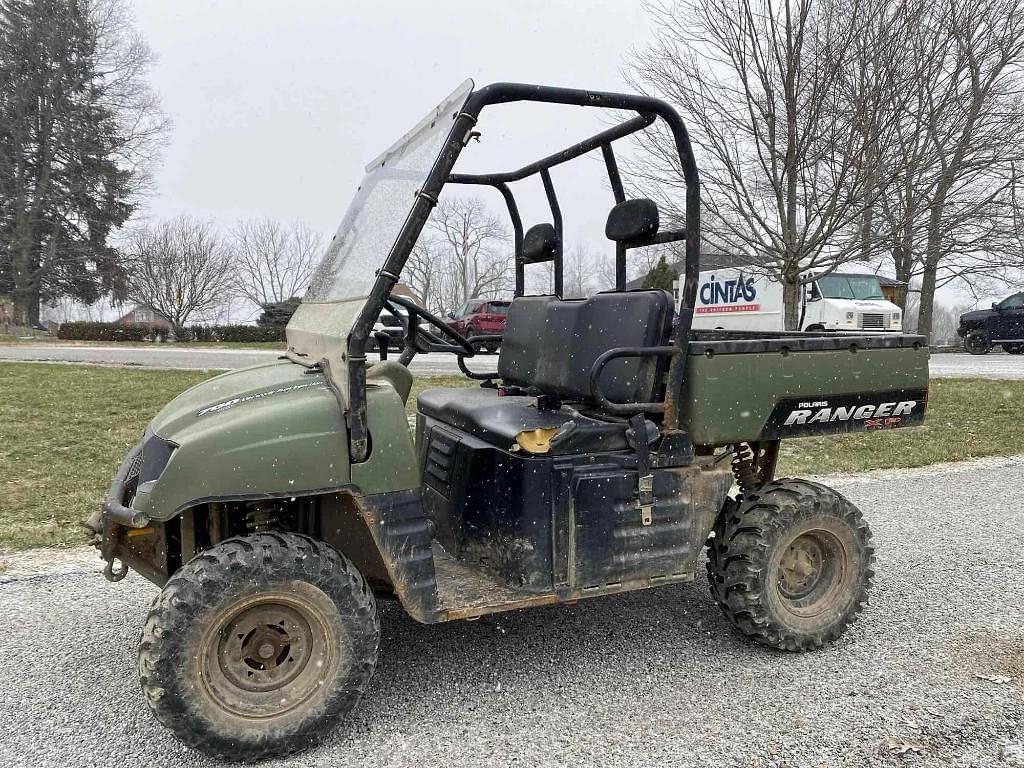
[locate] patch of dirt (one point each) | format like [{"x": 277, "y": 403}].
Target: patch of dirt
[
  {"x": 993, "y": 656},
  {"x": 48, "y": 561}
]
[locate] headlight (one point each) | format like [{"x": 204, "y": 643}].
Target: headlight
[
  {"x": 849, "y": 316},
  {"x": 895, "y": 317}
]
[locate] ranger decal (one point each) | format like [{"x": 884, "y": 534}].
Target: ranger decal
[{"x": 796, "y": 416}]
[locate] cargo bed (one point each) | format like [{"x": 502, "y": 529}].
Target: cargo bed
[{"x": 780, "y": 385}]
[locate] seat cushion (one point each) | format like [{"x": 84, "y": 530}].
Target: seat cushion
[
  {"x": 521, "y": 341},
  {"x": 551, "y": 344},
  {"x": 498, "y": 420},
  {"x": 579, "y": 331}
]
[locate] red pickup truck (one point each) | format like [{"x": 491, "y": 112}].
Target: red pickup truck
[{"x": 479, "y": 317}]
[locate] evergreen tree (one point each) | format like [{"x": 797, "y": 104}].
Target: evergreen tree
[
  {"x": 661, "y": 277},
  {"x": 75, "y": 126},
  {"x": 278, "y": 313}
]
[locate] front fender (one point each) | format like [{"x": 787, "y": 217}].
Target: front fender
[{"x": 272, "y": 431}]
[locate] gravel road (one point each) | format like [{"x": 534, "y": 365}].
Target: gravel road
[
  {"x": 943, "y": 365},
  {"x": 649, "y": 679}
]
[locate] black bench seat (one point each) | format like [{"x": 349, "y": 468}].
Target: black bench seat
[{"x": 498, "y": 420}]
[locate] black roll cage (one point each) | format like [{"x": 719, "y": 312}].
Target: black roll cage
[{"x": 648, "y": 109}]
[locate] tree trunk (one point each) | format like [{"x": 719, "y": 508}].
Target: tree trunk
[
  {"x": 925, "y": 313},
  {"x": 791, "y": 302}
]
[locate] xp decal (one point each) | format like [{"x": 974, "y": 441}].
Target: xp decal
[
  {"x": 218, "y": 407},
  {"x": 735, "y": 295},
  {"x": 796, "y": 416}
]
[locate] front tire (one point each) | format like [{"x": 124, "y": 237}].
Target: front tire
[
  {"x": 1013, "y": 349},
  {"x": 791, "y": 565},
  {"x": 258, "y": 646},
  {"x": 977, "y": 343}
]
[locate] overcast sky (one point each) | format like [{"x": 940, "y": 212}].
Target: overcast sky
[{"x": 278, "y": 106}]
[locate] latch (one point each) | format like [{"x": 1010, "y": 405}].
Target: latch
[
  {"x": 645, "y": 486},
  {"x": 644, "y": 478}
]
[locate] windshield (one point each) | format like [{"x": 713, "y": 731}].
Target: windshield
[
  {"x": 381, "y": 205},
  {"x": 850, "y": 287}
]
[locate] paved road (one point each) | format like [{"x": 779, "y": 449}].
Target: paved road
[
  {"x": 652, "y": 678},
  {"x": 944, "y": 365},
  {"x": 206, "y": 358}
]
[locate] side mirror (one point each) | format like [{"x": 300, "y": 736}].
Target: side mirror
[
  {"x": 995, "y": 305},
  {"x": 451, "y": 315}
]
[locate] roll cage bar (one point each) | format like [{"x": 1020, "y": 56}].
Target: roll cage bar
[{"x": 648, "y": 109}]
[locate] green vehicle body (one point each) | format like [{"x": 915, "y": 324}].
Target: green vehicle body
[
  {"x": 272, "y": 431},
  {"x": 319, "y": 442}
]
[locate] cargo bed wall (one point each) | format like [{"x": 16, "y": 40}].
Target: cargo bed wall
[{"x": 739, "y": 390}]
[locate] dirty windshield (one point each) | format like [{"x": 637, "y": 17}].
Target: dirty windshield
[{"x": 381, "y": 205}]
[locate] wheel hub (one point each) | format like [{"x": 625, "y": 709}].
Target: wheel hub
[
  {"x": 267, "y": 655},
  {"x": 801, "y": 567},
  {"x": 264, "y": 647}
]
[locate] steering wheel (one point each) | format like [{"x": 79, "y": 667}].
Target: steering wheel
[{"x": 419, "y": 338}]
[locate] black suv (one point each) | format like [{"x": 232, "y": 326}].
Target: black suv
[{"x": 1003, "y": 324}]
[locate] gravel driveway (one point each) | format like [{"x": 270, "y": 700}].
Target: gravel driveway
[{"x": 649, "y": 679}]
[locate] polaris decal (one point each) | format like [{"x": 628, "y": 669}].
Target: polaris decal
[
  {"x": 258, "y": 396},
  {"x": 796, "y": 416},
  {"x": 736, "y": 295}
]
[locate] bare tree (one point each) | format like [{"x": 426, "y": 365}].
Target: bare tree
[
  {"x": 779, "y": 95},
  {"x": 421, "y": 273},
  {"x": 951, "y": 213},
  {"x": 465, "y": 256},
  {"x": 272, "y": 262},
  {"x": 180, "y": 268}
]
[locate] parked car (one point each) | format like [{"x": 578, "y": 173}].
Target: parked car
[
  {"x": 480, "y": 317},
  {"x": 390, "y": 325},
  {"x": 1003, "y": 325}
]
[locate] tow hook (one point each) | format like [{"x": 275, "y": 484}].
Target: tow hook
[
  {"x": 110, "y": 573},
  {"x": 108, "y": 547}
]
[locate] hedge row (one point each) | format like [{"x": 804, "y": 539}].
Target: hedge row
[
  {"x": 234, "y": 333},
  {"x": 90, "y": 331}
]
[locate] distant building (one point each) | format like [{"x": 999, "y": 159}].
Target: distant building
[{"x": 141, "y": 314}]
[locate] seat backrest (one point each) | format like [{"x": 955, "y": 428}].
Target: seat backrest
[
  {"x": 552, "y": 344},
  {"x": 521, "y": 339}
]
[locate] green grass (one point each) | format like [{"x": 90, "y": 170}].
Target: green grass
[
  {"x": 63, "y": 431},
  {"x": 9, "y": 340},
  {"x": 65, "y": 428}
]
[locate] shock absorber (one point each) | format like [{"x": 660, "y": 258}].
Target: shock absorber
[{"x": 744, "y": 469}]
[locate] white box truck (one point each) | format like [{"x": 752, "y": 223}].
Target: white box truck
[{"x": 743, "y": 299}]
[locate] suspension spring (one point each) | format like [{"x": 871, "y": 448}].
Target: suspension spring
[{"x": 744, "y": 469}]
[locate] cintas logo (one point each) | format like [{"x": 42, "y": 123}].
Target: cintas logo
[{"x": 733, "y": 295}]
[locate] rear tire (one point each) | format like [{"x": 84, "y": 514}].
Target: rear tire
[
  {"x": 258, "y": 646},
  {"x": 791, "y": 565},
  {"x": 1013, "y": 349},
  {"x": 977, "y": 343}
]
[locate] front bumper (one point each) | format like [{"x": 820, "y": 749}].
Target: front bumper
[{"x": 144, "y": 463}]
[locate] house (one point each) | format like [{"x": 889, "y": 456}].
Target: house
[{"x": 141, "y": 314}]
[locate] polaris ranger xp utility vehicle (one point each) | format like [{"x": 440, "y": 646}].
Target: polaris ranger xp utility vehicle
[{"x": 275, "y": 505}]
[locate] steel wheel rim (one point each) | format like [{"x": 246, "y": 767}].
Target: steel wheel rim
[
  {"x": 267, "y": 655},
  {"x": 812, "y": 570}
]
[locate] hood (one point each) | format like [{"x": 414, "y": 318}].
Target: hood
[
  {"x": 272, "y": 429},
  {"x": 977, "y": 317},
  {"x": 237, "y": 393}
]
